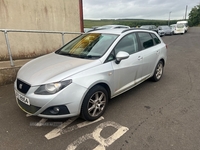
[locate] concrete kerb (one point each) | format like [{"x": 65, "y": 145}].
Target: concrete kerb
[{"x": 8, "y": 73}]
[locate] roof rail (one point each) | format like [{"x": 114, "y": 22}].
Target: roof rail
[{"x": 135, "y": 29}]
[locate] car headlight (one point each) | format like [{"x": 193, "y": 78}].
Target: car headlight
[{"x": 52, "y": 88}]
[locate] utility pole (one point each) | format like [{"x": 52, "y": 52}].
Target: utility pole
[
  {"x": 186, "y": 12},
  {"x": 169, "y": 18}
]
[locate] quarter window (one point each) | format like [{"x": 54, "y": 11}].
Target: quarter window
[
  {"x": 146, "y": 40},
  {"x": 156, "y": 39}
]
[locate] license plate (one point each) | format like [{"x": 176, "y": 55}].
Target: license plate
[{"x": 22, "y": 98}]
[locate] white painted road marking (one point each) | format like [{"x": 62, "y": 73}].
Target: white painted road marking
[
  {"x": 56, "y": 132},
  {"x": 96, "y": 135},
  {"x": 41, "y": 122},
  {"x": 28, "y": 115},
  {"x": 80, "y": 125},
  {"x": 60, "y": 129}
]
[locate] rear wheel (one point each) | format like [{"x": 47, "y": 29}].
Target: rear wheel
[
  {"x": 94, "y": 103},
  {"x": 158, "y": 72}
]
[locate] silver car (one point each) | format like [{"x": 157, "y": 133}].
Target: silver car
[
  {"x": 164, "y": 30},
  {"x": 80, "y": 77}
]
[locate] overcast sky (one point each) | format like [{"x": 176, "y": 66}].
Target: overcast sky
[{"x": 137, "y": 9}]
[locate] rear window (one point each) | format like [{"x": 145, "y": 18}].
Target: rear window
[
  {"x": 146, "y": 40},
  {"x": 180, "y": 25}
]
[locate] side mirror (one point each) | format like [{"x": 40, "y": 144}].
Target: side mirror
[{"x": 120, "y": 56}]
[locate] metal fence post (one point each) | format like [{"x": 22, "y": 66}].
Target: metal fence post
[
  {"x": 63, "y": 40},
  {"x": 8, "y": 47}
]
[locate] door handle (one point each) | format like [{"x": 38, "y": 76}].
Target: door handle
[{"x": 140, "y": 57}]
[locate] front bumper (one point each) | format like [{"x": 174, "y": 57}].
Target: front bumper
[
  {"x": 68, "y": 101},
  {"x": 161, "y": 33}
]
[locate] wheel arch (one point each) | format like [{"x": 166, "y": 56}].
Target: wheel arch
[
  {"x": 85, "y": 115},
  {"x": 107, "y": 88},
  {"x": 103, "y": 84},
  {"x": 163, "y": 61}
]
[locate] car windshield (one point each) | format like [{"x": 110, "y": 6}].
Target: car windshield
[{"x": 88, "y": 46}]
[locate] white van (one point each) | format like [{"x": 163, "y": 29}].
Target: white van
[
  {"x": 185, "y": 23},
  {"x": 179, "y": 29}
]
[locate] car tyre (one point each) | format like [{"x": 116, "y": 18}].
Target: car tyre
[
  {"x": 158, "y": 71},
  {"x": 94, "y": 103}
]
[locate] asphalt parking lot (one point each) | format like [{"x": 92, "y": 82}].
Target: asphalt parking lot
[{"x": 152, "y": 116}]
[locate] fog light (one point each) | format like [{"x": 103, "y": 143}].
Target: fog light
[{"x": 55, "y": 110}]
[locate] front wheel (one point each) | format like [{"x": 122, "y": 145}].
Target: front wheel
[
  {"x": 158, "y": 72},
  {"x": 94, "y": 103}
]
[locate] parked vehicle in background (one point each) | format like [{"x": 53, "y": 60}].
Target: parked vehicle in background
[
  {"x": 180, "y": 29},
  {"x": 80, "y": 77},
  {"x": 150, "y": 27},
  {"x": 112, "y": 27},
  {"x": 173, "y": 28},
  {"x": 185, "y": 24},
  {"x": 164, "y": 30}
]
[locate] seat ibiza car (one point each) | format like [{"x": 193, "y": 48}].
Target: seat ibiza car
[{"x": 80, "y": 77}]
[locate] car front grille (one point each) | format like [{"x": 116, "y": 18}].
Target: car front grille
[
  {"x": 22, "y": 86},
  {"x": 28, "y": 108}
]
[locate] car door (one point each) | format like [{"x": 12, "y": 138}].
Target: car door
[
  {"x": 149, "y": 54},
  {"x": 125, "y": 73}
]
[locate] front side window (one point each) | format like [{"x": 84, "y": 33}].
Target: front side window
[
  {"x": 128, "y": 44},
  {"x": 145, "y": 40},
  {"x": 88, "y": 46}
]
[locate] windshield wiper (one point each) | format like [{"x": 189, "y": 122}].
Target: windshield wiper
[
  {"x": 90, "y": 57},
  {"x": 68, "y": 54},
  {"x": 79, "y": 56}
]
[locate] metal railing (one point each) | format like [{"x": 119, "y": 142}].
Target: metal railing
[{"x": 5, "y": 31}]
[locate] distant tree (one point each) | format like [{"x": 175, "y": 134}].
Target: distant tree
[{"x": 194, "y": 16}]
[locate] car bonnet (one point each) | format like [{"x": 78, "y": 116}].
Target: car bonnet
[{"x": 52, "y": 68}]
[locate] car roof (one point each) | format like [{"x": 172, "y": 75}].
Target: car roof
[
  {"x": 111, "y": 26},
  {"x": 119, "y": 31},
  {"x": 114, "y": 25},
  {"x": 109, "y": 31}
]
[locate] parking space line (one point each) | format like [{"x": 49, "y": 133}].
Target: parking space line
[
  {"x": 80, "y": 125},
  {"x": 60, "y": 129},
  {"x": 41, "y": 122},
  {"x": 56, "y": 132},
  {"x": 28, "y": 115}
]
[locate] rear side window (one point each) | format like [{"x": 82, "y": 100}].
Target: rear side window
[
  {"x": 156, "y": 39},
  {"x": 146, "y": 40}
]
